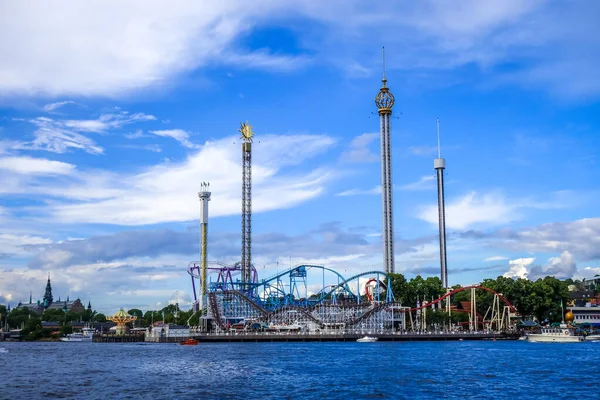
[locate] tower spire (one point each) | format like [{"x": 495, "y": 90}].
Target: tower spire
[
  {"x": 384, "y": 79},
  {"x": 439, "y": 164},
  {"x": 48, "y": 294},
  {"x": 384, "y": 102},
  {"x": 438, "y": 135}
]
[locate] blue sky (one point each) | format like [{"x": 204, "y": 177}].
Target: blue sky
[{"x": 112, "y": 115}]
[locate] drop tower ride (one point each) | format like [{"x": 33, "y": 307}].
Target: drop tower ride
[
  {"x": 247, "y": 135},
  {"x": 385, "y": 101}
]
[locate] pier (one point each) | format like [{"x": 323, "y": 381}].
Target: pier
[
  {"x": 344, "y": 337},
  {"x": 107, "y": 338}
]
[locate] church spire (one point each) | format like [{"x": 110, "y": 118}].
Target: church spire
[
  {"x": 89, "y": 305},
  {"x": 48, "y": 294}
]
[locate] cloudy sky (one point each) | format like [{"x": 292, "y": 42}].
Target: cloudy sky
[{"x": 112, "y": 113}]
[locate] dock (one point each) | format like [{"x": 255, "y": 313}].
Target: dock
[
  {"x": 108, "y": 338},
  {"x": 347, "y": 337}
]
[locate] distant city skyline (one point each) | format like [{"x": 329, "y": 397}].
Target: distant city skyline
[{"x": 111, "y": 117}]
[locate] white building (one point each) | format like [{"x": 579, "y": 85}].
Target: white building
[
  {"x": 586, "y": 315},
  {"x": 167, "y": 331}
]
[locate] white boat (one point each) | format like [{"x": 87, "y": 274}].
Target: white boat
[
  {"x": 367, "y": 339},
  {"x": 562, "y": 334},
  {"x": 592, "y": 338},
  {"x": 86, "y": 335}
]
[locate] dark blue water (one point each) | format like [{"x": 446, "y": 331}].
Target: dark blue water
[{"x": 406, "y": 370}]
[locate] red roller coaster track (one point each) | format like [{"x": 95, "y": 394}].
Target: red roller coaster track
[{"x": 504, "y": 299}]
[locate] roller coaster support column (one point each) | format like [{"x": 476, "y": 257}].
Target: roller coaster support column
[{"x": 473, "y": 312}]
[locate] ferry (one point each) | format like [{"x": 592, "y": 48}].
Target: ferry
[
  {"x": 86, "y": 335},
  {"x": 562, "y": 334}
]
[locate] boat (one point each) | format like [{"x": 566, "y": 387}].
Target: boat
[
  {"x": 561, "y": 334},
  {"x": 593, "y": 338},
  {"x": 189, "y": 342},
  {"x": 86, "y": 335},
  {"x": 367, "y": 339}
]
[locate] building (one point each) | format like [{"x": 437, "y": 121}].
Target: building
[
  {"x": 589, "y": 314},
  {"x": 48, "y": 303},
  {"x": 160, "y": 330}
]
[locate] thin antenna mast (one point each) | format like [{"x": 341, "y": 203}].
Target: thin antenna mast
[
  {"x": 384, "y": 80},
  {"x": 438, "y": 133}
]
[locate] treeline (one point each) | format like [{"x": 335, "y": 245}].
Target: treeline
[
  {"x": 33, "y": 329},
  {"x": 540, "y": 299},
  {"x": 31, "y": 322}
]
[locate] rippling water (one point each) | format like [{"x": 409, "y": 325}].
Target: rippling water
[{"x": 400, "y": 370}]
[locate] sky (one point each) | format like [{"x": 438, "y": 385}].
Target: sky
[{"x": 113, "y": 113}]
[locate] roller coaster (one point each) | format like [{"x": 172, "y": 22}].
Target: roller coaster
[{"x": 314, "y": 298}]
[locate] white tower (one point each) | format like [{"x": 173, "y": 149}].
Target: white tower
[
  {"x": 439, "y": 164},
  {"x": 204, "y": 196},
  {"x": 385, "y": 101}
]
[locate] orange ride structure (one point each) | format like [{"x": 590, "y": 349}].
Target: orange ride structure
[{"x": 121, "y": 318}]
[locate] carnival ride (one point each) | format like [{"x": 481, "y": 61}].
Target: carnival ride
[
  {"x": 314, "y": 298},
  {"x": 121, "y": 318}
]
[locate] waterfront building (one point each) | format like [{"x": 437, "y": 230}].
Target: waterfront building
[
  {"x": 48, "y": 303},
  {"x": 160, "y": 330},
  {"x": 586, "y": 315}
]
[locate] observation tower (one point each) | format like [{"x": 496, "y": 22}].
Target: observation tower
[
  {"x": 439, "y": 164},
  {"x": 204, "y": 196},
  {"x": 247, "y": 135},
  {"x": 385, "y": 101}
]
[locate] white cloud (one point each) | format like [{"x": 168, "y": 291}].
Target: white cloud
[
  {"x": 149, "y": 147},
  {"x": 496, "y": 258},
  {"x": 40, "y": 166},
  {"x": 53, "y": 106},
  {"x": 178, "y": 134},
  {"x": 423, "y": 150},
  {"x": 106, "y": 121},
  {"x": 60, "y": 136},
  {"x": 518, "y": 268},
  {"x": 425, "y": 183},
  {"x": 166, "y": 192},
  {"x": 135, "y": 135},
  {"x": 358, "y": 149},
  {"x": 471, "y": 209},
  {"x": 21, "y": 245},
  {"x": 357, "y": 192},
  {"x": 561, "y": 267},
  {"x": 52, "y": 137},
  {"x": 71, "y": 50}
]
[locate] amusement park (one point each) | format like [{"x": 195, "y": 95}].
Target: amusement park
[{"x": 234, "y": 299}]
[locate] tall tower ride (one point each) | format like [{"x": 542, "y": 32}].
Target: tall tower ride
[
  {"x": 247, "y": 135},
  {"x": 439, "y": 164},
  {"x": 204, "y": 196},
  {"x": 385, "y": 101}
]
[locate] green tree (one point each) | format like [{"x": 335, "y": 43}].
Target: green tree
[
  {"x": 100, "y": 317},
  {"x": 18, "y": 317},
  {"x": 136, "y": 313},
  {"x": 33, "y": 328},
  {"x": 399, "y": 287},
  {"x": 54, "y": 316}
]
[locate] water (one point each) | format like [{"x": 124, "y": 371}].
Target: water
[{"x": 400, "y": 370}]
